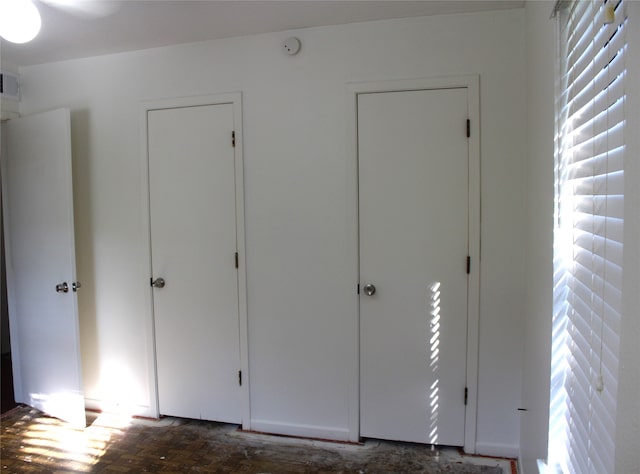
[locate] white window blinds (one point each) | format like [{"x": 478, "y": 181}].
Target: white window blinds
[{"x": 589, "y": 233}]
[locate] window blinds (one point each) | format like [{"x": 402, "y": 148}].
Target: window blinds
[{"x": 590, "y": 198}]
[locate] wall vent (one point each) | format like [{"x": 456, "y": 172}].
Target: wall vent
[{"x": 9, "y": 86}]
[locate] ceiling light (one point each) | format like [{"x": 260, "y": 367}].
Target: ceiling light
[{"x": 19, "y": 20}]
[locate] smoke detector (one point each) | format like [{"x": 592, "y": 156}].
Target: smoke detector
[{"x": 291, "y": 46}]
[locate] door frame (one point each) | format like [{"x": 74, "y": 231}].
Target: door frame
[
  {"x": 472, "y": 84},
  {"x": 235, "y": 99}
]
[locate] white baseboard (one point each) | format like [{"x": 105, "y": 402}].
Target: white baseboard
[
  {"x": 537, "y": 466},
  {"x": 304, "y": 431},
  {"x": 143, "y": 411},
  {"x": 498, "y": 450}
]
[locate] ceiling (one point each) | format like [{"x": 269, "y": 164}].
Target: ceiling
[{"x": 82, "y": 28}]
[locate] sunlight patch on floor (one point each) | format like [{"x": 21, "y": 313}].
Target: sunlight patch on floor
[{"x": 57, "y": 444}]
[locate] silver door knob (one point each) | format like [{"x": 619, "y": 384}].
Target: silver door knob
[
  {"x": 75, "y": 285},
  {"x": 369, "y": 289},
  {"x": 158, "y": 283},
  {"x": 62, "y": 287}
]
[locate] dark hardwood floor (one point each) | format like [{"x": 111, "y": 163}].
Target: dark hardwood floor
[{"x": 33, "y": 442}]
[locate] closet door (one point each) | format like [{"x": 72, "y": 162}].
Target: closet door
[
  {"x": 41, "y": 267},
  {"x": 194, "y": 264},
  {"x": 413, "y": 162}
]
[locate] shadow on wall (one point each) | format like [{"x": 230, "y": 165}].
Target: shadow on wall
[
  {"x": 84, "y": 242},
  {"x": 6, "y": 382}
]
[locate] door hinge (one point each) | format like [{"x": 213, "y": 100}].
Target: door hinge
[
  {"x": 358, "y": 290},
  {"x": 466, "y": 395},
  {"x": 468, "y": 128},
  {"x": 468, "y": 264},
  {"x": 233, "y": 139},
  {"x": 240, "y": 377},
  {"x": 236, "y": 259}
]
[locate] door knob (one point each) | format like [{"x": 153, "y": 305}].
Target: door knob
[
  {"x": 75, "y": 285},
  {"x": 62, "y": 287},
  {"x": 158, "y": 283},
  {"x": 369, "y": 289}
]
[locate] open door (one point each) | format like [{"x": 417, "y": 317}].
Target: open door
[{"x": 40, "y": 260}]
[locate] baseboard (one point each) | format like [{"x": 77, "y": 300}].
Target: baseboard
[
  {"x": 303, "y": 431},
  {"x": 511, "y": 451},
  {"x": 143, "y": 411}
]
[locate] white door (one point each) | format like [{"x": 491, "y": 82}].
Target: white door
[
  {"x": 413, "y": 211},
  {"x": 41, "y": 272},
  {"x": 193, "y": 249}
]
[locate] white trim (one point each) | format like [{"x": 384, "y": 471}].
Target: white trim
[
  {"x": 498, "y": 450},
  {"x": 142, "y": 411},
  {"x": 353, "y": 362},
  {"x": 541, "y": 467},
  {"x": 473, "y": 306},
  {"x": 303, "y": 431},
  {"x": 472, "y": 84},
  {"x": 242, "y": 266},
  {"x": 145, "y": 229},
  {"x": 234, "y": 98}
]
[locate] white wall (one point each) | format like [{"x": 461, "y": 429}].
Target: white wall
[
  {"x": 541, "y": 47},
  {"x": 300, "y": 203},
  {"x": 627, "y": 458}
]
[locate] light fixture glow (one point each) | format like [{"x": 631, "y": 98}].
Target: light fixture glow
[{"x": 19, "y": 20}]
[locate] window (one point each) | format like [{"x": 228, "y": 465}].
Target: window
[{"x": 588, "y": 240}]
